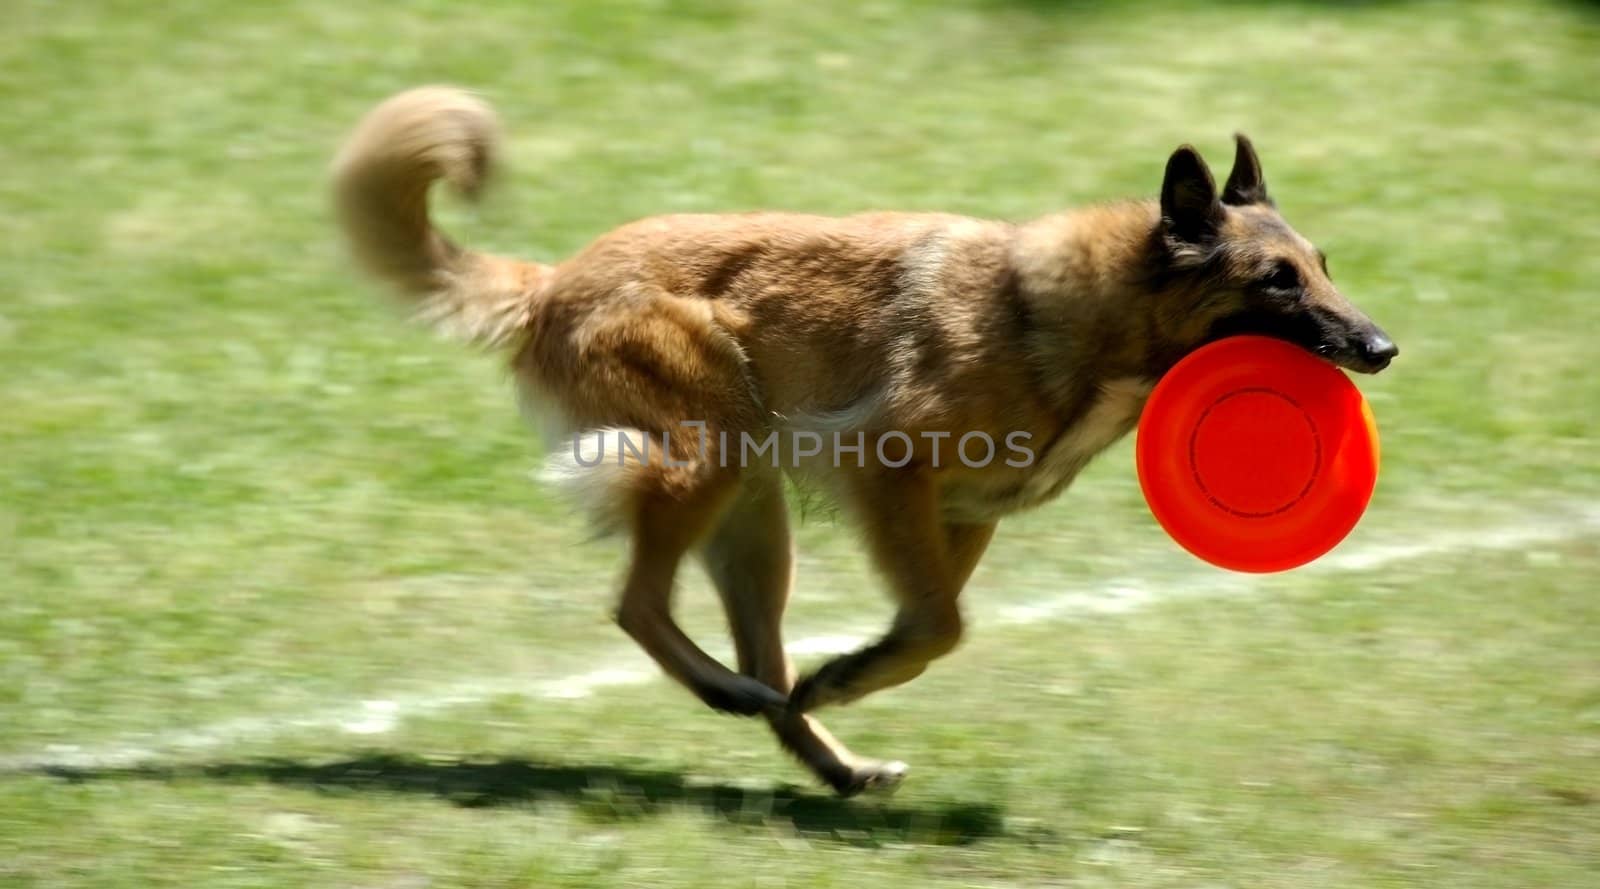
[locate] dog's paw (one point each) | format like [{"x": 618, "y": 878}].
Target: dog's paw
[
  {"x": 805, "y": 695},
  {"x": 871, "y": 777},
  {"x": 743, "y": 696},
  {"x": 828, "y": 685}
]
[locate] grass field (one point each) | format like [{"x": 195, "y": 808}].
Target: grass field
[{"x": 280, "y": 605}]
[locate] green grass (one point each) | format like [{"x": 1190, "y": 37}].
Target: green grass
[{"x": 235, "y": 490}]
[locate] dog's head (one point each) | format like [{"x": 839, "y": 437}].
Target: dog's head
[{"x": 1228, "y": 263}]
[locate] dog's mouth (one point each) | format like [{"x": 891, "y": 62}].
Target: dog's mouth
[
  {"x": 1368, "y": 356},
  {"x": 1358, "y": 347}
]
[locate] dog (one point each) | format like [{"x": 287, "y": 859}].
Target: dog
[{"x": 920, "y": 330}]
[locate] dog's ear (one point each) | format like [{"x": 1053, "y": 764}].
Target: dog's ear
[
  {"x": 1246, "y": 184},
  {"x": 1190, "y": 210}
]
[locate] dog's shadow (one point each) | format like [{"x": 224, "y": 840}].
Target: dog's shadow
[{"x": 600, "y": 792}]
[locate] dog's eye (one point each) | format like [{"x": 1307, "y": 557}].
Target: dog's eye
[{"x": 1284, "y": 277}]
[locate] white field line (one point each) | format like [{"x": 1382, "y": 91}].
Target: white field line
[{"x": 1113, "y": 596}]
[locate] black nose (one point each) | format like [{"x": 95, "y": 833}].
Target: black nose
[{"x": 1379, "y": 349}]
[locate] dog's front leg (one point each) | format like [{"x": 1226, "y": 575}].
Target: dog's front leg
[{"x": 926, "y": 562}]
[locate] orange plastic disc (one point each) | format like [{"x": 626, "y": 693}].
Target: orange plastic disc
[{"x": 1256, "y": 455}]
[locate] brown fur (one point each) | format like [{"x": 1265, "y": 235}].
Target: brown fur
[{"x": 758, "y": 322}]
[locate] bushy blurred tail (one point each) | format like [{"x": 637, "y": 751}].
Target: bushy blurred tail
[{"x": 381, "y": 180}]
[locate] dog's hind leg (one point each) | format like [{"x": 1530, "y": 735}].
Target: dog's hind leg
[
  {"x": 926, "y": 562},
  {"x": 750, "y": 558},
  {"x": 663, "y": 529},
  {"x": 660, "y": 378}
]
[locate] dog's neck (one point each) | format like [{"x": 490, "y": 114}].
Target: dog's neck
[{"x": 1081, "y": 276}]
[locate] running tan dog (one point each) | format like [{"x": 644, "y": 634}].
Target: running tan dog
[{"x": 891, "y": 333}]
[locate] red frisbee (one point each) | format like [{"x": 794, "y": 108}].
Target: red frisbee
[{"x": 1256, "y": 455}]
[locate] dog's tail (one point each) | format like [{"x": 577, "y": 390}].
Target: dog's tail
[{"x": 381, "y": 180}]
